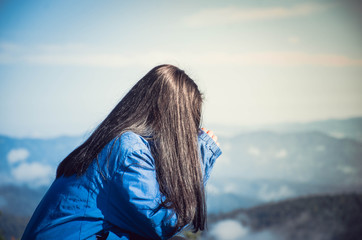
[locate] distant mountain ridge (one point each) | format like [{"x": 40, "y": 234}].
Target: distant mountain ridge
[
  {"x": 268, "y": 166},
  {"x": 322, "y": 217},
  {"x": 338, "y": 128},
  {"x": 257, "y": 166},
  {"x": 32, "y": 161}
]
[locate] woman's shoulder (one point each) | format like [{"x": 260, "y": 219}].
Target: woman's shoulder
[
  {"x": 125, "y": 149},
  {"x": 132, "y": 148},
  {"x": 130, "y": 142}
]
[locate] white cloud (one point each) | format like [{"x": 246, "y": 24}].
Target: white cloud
[
  {"x": 231, "y": 188},
  {"x": 231, "y": 229},
  {"x": 212, "y": 189},
  {"x": 282, "y": 153},
  {"x": 336, "y": 134},
  {"x": 266, "y": 194},
  {"x": 34, "y": 173},
  {"x": 17, "y": 155},
  {"x": 100, "y": 60},
  {"x": 228, "y": 230},
  {"x": 253, "y": 151},
  {"x": 281, "y": 59},
  {"x": 293, "y": 40},
  {"x": 346, "y": 169},
  {"x": 231, "y": 15},
  {"x": 320, "y": 148},
  {"x": 7, "y": 46},
  {"x": 71, "y": 55}
]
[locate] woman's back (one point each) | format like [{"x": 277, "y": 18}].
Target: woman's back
[
  {"x": 118, "y": 185},
  {"x": 80, "y": 207},
  {"x": 115, "y": 197}
]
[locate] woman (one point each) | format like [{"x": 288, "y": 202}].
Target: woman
[{"x": 141, "y": 174}]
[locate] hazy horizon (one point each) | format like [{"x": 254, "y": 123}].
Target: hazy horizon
[{"x": 64, "y": 65}]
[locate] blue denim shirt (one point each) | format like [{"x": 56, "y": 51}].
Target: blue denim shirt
[{"x": 114, "y": 198}]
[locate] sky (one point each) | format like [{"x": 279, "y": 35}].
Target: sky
[{"x": 65, "y": 64}]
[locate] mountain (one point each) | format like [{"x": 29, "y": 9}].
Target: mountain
[
  {"x": 11, "y": 203},
  {"x": 32, "y": 161},
  {"x": 12, "y": 226},
  {"x": 322, "y": 217},
  {"x": 257, "y": 166},
  {"x": 268, "y": 166},
  {"x": 338, "y": 128},
  {"x": 301, "y": 157},
  {"x": 17, "y": 204}
]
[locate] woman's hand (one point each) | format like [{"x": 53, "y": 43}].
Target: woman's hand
[{"x": 211, "y": 134}]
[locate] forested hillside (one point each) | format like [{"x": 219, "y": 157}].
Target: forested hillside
[{"x": 327, "y": 217}]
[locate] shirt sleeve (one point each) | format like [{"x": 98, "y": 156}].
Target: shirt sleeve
[
  {"x": 209, "y": 152},
  {"x": 137, "y": 197}
]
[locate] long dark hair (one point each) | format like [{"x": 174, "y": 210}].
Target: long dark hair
[{"x": 165, "y": 104}]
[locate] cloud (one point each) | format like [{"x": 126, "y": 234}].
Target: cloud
[
  {"x": 253, "y": 151},
  {"x": 74, "y": 55},
  {"x": 336, "y": 134},
  {"x": 231, "y": 229},
  {"x": 231, "y": 15},
  {"x": 282, "y": 153},
  {"x": 17, "y": 155},
  {"x": 293, "y": 40},
  {"x": 228, "y": 230},
  {"x": 212, "y": 189},
  {"x": 231, "y": 188},
  {"x": 346, "y": 169},
  {"x": 7, "y": 46},
  {"x": 320, "y": 148},
  {"x": 266, "y": 194},
  {"x": 34, "y": 173},
  {"x": 286, "y": 58}
]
